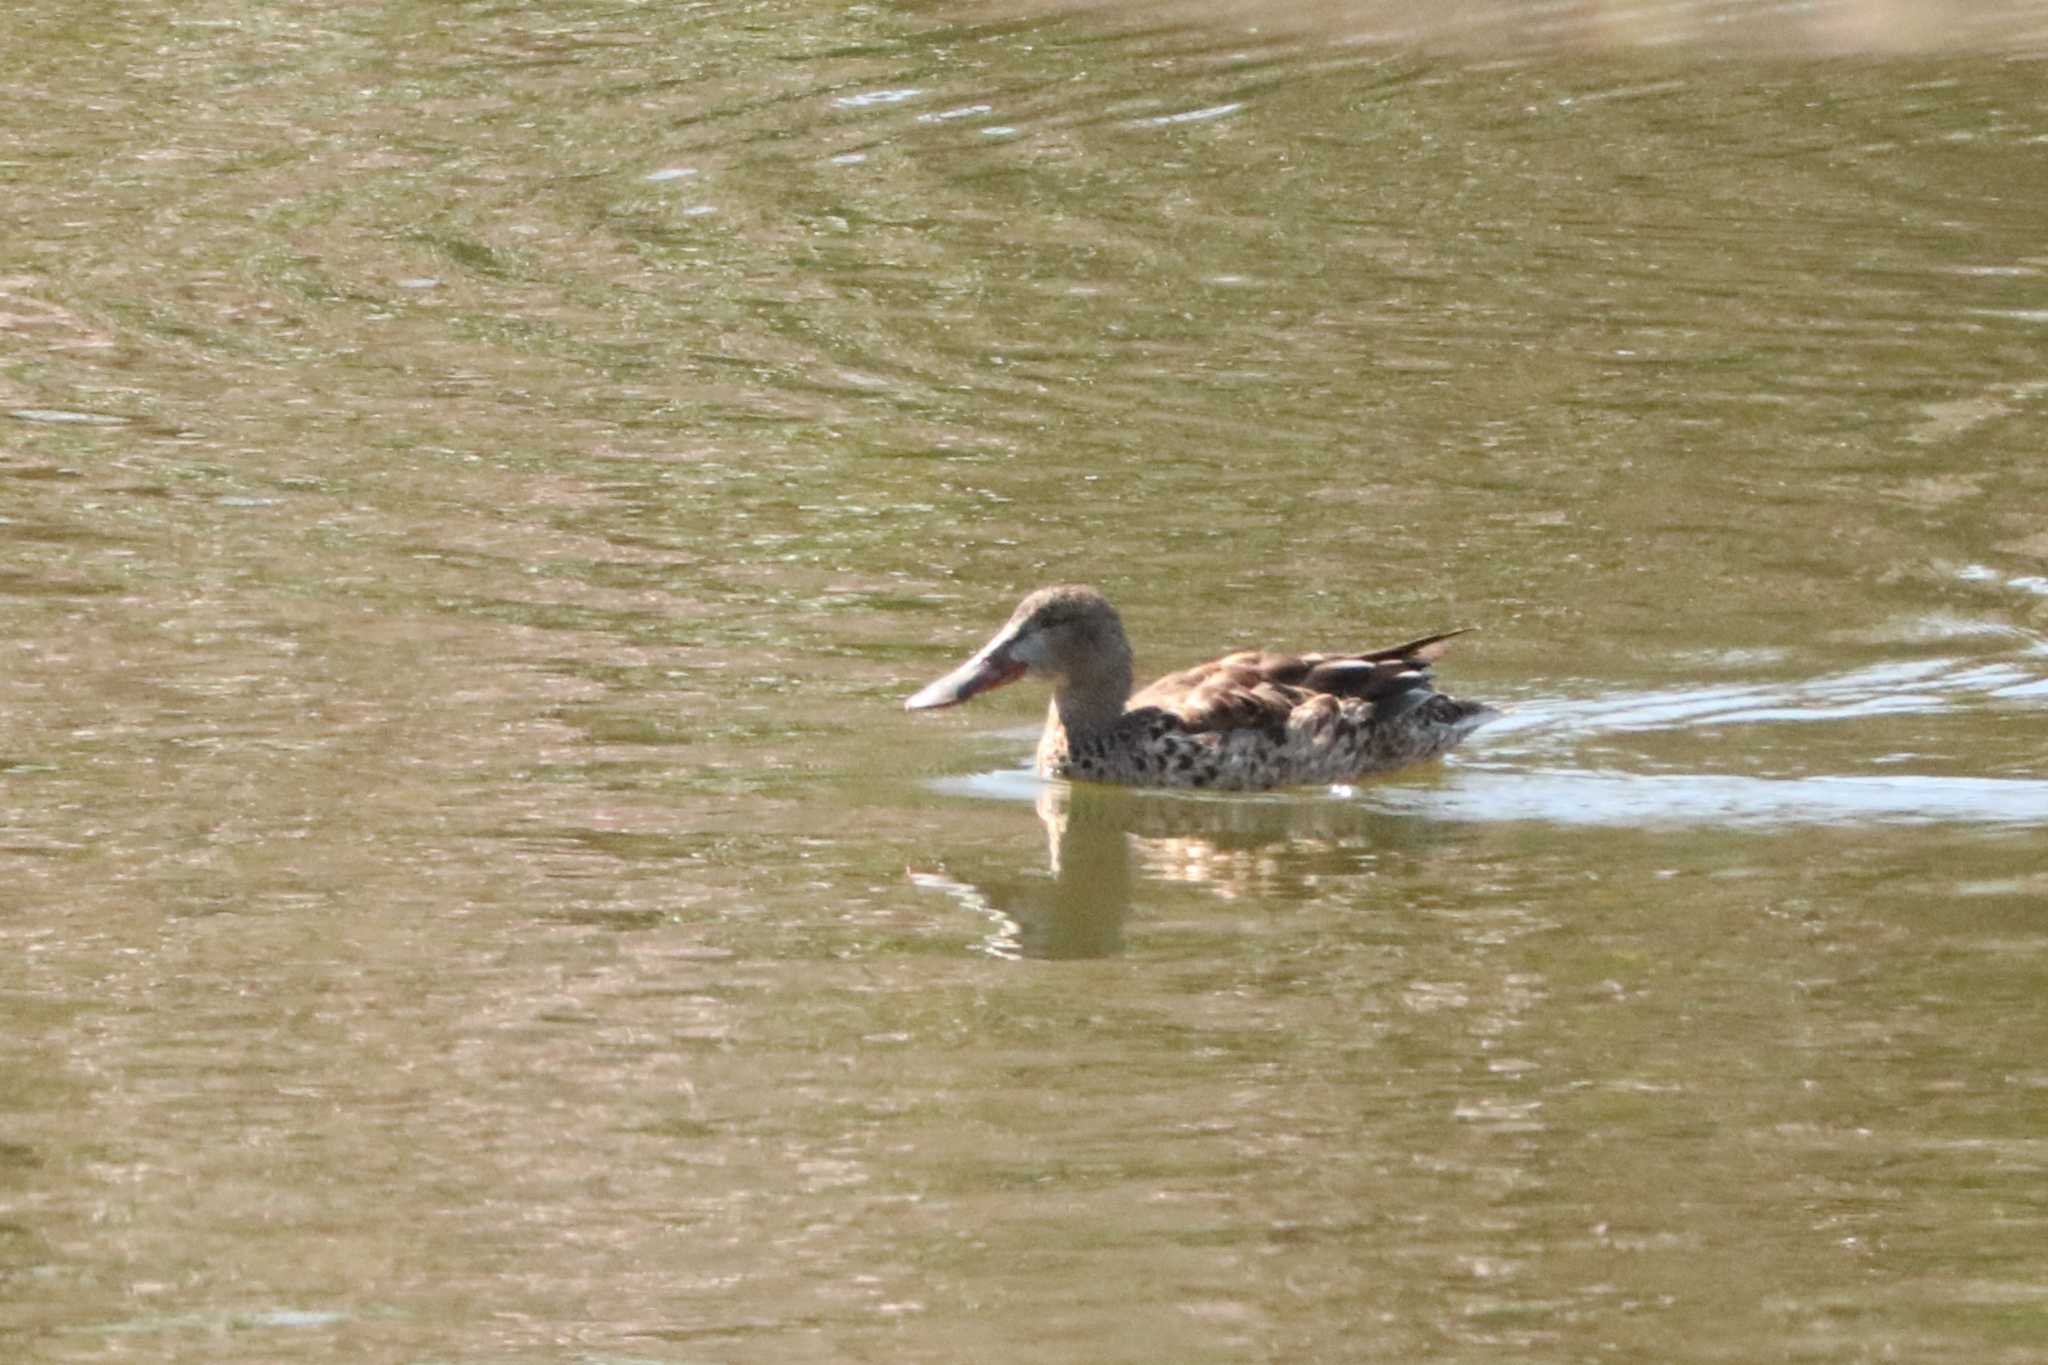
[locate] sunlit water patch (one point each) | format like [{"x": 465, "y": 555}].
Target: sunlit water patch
[
  {"x": 1585, "y": 796},
  {"x": 2034, "y": 584},
  {"x": 1569, "y": 796},
  {"x": 1916, "y": 687}
]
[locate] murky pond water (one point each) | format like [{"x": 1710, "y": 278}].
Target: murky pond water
[{"x": 476, "y": 483}]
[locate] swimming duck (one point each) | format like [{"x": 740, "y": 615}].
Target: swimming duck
[{"x": 1243, "y": 722}]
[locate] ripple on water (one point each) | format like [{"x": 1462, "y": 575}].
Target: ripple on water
[{"x": 1567, "y": 796}]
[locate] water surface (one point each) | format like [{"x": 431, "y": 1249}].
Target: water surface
[{"x": 475, "y": 486}]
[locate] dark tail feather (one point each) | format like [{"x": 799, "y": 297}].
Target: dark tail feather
[{"x": 1427, "y": 650}]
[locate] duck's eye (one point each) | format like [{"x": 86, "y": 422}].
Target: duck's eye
[{"x": 1443, "y": 710}]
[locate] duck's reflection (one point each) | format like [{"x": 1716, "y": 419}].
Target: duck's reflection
[
  {"x": 1079, "y": 911},
  {"x": 1103, "y": 841}
]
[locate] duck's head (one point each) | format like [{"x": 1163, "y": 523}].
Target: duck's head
[{"x": 1069, "y": 636}]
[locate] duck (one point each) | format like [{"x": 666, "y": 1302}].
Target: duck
[{"x": 1248, "y": 721}]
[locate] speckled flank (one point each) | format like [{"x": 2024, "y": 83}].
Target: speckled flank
[{"x": 1324, "y": 740}]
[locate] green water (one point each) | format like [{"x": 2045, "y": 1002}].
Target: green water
[{"x": 477, "y": 482}]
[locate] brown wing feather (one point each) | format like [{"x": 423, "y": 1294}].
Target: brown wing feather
[{"x": 1256, "y": 689}]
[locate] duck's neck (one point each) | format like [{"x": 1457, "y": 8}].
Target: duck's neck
[{"x": 1089, "y": 703}]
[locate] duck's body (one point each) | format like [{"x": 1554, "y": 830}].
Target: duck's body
[{"x": 1244, "y": 722}]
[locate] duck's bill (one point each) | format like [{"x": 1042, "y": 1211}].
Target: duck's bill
[{"x": 990, "y": 669}]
